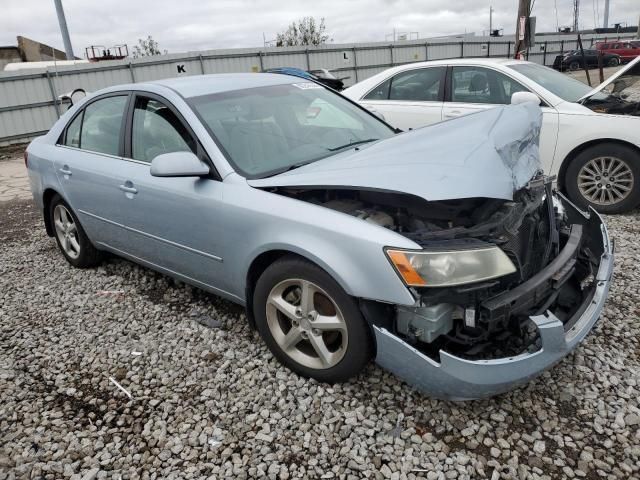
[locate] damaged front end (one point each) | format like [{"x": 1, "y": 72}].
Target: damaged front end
[
  {"x": 540, "y": 284},
  {"x": 507, "y": 275},
  {"x": 479, "y": 339}
]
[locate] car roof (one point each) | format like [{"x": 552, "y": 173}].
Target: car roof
[
  {"x": 196, "y": 85},
  {"x": 467, "y": 61}
]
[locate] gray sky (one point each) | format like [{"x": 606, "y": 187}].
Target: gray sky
[{"x": 196, "y": 25}]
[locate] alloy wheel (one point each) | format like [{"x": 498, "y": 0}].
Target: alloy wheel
[
  {"x": 605, "y": 180},
  {"x": 307, "y": 324},
  {"x": 66, "y": 231}
]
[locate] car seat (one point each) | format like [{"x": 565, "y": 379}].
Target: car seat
[{"x": 258, "y": 144}]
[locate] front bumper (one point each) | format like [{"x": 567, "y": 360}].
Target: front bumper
[{"x": 456, "y": 378}]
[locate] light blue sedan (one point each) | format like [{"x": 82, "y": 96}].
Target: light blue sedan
[{"x": 440, "y": 252}]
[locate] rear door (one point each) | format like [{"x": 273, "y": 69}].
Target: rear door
[
  {"x": 410, "y": 99},
  {"x": 616, "y": 49},
  {"x": 90, "y": 166},
  {"x": 592, "y": 57}
]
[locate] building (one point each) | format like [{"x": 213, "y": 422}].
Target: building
[{"x": 28, "y": 50}]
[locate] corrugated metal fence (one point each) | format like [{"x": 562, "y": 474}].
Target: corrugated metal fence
[{"x": 29, "y": 105}]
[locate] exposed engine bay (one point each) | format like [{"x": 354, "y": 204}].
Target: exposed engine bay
[
  {"x": 620, "y": 97},
  {"x": 489, "y": 319}
]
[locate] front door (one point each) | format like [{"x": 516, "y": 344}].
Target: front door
[
  {"x": 170, "y": 221},
  {"x": 409, "y": 99}
]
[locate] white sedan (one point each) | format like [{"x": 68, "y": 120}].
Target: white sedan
[{"x": 590, "y": 138}]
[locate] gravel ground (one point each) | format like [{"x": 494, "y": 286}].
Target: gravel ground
[
  {"x": 211, "y": 402},
  {"x": 10, "y": 152}
]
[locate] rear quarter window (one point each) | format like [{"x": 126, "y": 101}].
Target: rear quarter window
[
  {"x": 381, "y": 92},
  {"x": 72, "y": 136}
]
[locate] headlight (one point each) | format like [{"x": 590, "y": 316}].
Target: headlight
[{"x": 449, "y": 268}]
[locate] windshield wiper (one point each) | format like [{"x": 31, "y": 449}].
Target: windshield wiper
[
  {"x": 351, "y": 144},
  {"x": 302, "y": 164},
  {"x": 287, "y": 168}
]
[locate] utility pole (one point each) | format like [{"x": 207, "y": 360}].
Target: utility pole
[
  {"x": 63, "y": 29},
  {"x": 490, "y": 20},
  {"x": 605, "y": 23},
  {"x": 524, "y": 10},
  {"x": 576, "y": 15}
]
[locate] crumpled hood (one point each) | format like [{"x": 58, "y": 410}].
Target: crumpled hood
[{"x": 488, "y": 154}]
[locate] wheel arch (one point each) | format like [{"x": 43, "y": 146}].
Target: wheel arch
[
  {"x": 257, "y": 267},
  {"x": 581, "y": 148},
  {"x": 47, "y": 196}
]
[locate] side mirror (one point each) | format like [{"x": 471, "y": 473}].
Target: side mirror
[
  {"x": 524, "y": 97},
  {"x": 178, "y": 164}
]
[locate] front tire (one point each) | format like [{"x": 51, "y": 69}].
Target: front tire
[
  {"x": 310, "y": 324},
  {"x": 605, "y": 177},
  {"x": 613, "y": 62},
  {"x": 70, "y": 236},
  {"x": 574, "y": 65}
]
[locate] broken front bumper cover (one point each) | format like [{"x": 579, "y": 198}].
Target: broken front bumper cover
[{"x": 456, "y": 378}]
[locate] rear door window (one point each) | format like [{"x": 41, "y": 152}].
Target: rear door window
[
  {"x": 381, "y": 92},
  {"x": 102, "y": 125}
]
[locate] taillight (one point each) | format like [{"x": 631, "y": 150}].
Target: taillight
[{"x": 26, "y": 159}]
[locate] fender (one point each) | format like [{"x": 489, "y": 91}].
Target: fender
[{"x": 345, "y": 269}]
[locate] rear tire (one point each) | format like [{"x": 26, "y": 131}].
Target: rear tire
[
  {"x": 574, "y": 65},
  {"x": 605, "y": 177},
  {"x": 70, "y": 236},
  {"x": 310, "y": 324},
  {"x": 613, "y": 62}
]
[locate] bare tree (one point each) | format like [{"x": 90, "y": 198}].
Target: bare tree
[
  {"x": 305, "y": 31},
  {"x": 147, "y": 48}
]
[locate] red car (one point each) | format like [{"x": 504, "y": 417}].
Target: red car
[{"x": 628, "y": 50}]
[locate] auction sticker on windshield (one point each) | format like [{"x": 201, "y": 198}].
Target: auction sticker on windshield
[{"x": 306, "y": 85}]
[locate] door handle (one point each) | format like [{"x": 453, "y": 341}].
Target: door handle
[
  {"x": 128, "y": 189},
  {"x": 65, "y": 171},
  {"x": 453, "y": 114}
]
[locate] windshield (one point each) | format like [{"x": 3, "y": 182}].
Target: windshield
[
  {"x": 268, "y": 130},
  {"x": 563, "y": 86}
]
